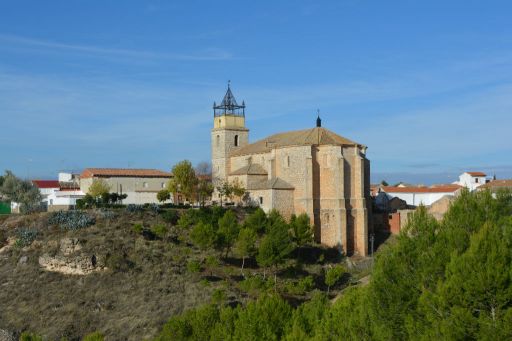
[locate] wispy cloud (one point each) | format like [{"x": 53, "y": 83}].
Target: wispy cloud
[{"x": 209, "y": 54}]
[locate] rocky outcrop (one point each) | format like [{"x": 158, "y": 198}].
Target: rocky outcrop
[
  {"x": 6, "y": 336},
  {"x": 70, "y": 259}
]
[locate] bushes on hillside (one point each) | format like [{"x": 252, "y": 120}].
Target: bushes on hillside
[
  {"x": 25, "y": 236},
  {"x": 170, "y": 216},
  {"x": 71, "y": 220}
]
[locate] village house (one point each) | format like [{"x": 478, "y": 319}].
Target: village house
[
  {"x": 60, "y": 194},
  {"x": 140, "y": 185},
  {"x": 313, "y": 171},
  {"x": 415, "y": 196},
  {"x": 472, "y": 180},
  {"x": 497, "y": 185}
]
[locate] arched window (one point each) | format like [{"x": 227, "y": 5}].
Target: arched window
[
  {"x": 218, "y": 140},
  {"x": 236, "y": 140}
]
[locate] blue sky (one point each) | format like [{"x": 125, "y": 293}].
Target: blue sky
[{"x": 426, "y": 85}]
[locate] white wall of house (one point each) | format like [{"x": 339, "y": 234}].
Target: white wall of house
[
  {"x": 419, "y": 198},
  {"x": 140, "y": 190},
  {"x": 45, "y": 192},
  {"x": 64, "y": 198},
  {"x": 470, "y": 181}
]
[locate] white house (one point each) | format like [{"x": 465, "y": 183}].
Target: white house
[
  {"x": 46, "y": 187},
  {"x": 141, "y": 185},
  {"x": 64, "y": 199},
  {"x": 416, "y": 196},
  {"x": 472, "y": 180}
]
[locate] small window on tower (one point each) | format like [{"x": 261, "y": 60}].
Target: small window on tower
[
  {"x": 236, "y": 140},
  {"x": 218, "y": 140},
  {"x": 261, "y": 200}
]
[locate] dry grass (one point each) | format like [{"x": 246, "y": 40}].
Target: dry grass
[{"x": 146, "y": 283}]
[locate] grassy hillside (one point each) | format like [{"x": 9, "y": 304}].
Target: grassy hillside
[{"x": 125, "y": 273}]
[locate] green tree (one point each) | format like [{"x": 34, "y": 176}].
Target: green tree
[
  {"x": 275, "y": 246},
  {"x": 184, "y": 179},
  {"x": 237, "y": 189},
  {"x": 192, "y": 325},
  {"x": 475, "y": 299},
  {"x": 228, "y": 231},
  {"x": 98, "y": 188},
  {"x": 203, "y": 235},
  {"x": 333, "y": 275},
  {"x": 204, "y": 190},
  {"x": 20, "y": 191},
  {"x": 225, "y": 190},
  {"x": 211, "y": 263},
  {"x": 257, "y": 221},
  {"x": 245, "y": 245},
  {"x": 302, "y": 231},
  {"x": 105, "y": 198},
  {"x": 308, "y": 317},
  {"x": 163, "y": 195},
  {"x": 347, "y": 318},
  {"x": 264, "y": 319}
]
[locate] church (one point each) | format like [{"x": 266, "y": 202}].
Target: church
[{"x": 313, "y": 171}]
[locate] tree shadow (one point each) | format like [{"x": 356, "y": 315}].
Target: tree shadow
[{"x": 313, "y": 254}]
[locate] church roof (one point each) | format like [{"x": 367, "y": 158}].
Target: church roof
[
  {"x": 124, "y": 172},
  {"x": 274, "y": 183},
  {"x": 252, "y": 169},
  {"x": 307, "y": 137}
]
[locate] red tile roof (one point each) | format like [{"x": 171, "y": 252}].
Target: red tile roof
[
  {"x": 46, "y": 183},
  {"x": 436, "y": 189},
  {"x": 476, "y": 174},
  {"x": 507, "y": 183},
  {"x": 124, "y": 172}
]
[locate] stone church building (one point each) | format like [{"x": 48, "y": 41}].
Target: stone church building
[{"x": 313, "y": 170}]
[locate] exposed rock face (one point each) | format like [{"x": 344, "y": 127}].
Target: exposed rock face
[
  {"x": 69, "y": 245},
  {"x": 23, "y": 260},
  {"x": 70, "y": 260},
  {"x": 6, "y": 336}
]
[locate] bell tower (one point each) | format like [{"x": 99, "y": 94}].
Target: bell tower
[{"x": 229, "y": 133}]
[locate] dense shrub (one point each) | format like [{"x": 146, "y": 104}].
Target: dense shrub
[
  {"x": 26, "y": 336},
  {"x": 71, "y": 220},
  {"x": 96, "y": 336},
  {"x": 132, "y": 208},
  {"x": 255, "y": 284},
  {"x": 170, "y": 216},
  {"x": 333, "y": 275},
  {"x": 137, "y": 228},
  {"x": 303, "y": 286},
  {"x": 193, "y": 266},
  {"x": 154, "y": 208},
  {"x": 25, "y": 236},
  {"x": 159, "y": 230}
]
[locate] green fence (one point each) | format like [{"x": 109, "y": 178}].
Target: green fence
[{"x": 5, "y": 207}]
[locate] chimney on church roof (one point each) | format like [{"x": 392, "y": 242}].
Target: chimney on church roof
[{"x": 318, "y": 120}]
